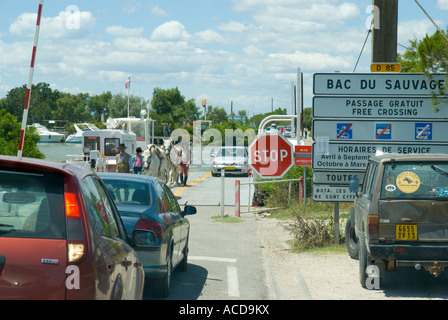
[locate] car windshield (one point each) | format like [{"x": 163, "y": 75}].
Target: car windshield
[
  {"x": 232, "y": 152},
  {"x": 405, "y": 180},
  {"x": 32, "y": 205},
  {"x": 129, "y": 192}
]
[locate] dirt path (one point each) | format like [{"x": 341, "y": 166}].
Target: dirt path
[{"x": 294, "y": 276}]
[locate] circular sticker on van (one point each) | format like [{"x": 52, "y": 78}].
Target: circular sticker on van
[
  {"x": 390, "y": 188},
  {"x": 408, "y": 182}
]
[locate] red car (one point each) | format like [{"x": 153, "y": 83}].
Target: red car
[{"x": 61, "y": 236}]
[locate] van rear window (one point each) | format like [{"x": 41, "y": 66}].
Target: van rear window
[
  {"x": 416, "y": 180},
  {"x": 32, "y": 205}
]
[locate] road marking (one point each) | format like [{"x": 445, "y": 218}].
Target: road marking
[
  {"x": 233, "y": 287},
  {"x": 232, "y": 281},
  {"x": 179, "y": 191},
  {"x": 215, "y": 259}
]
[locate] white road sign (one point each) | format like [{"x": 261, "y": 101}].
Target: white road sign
[
  {"x": 354, "y": 156},
  {"x": 375, "y": 130},
  {"x": 332, "y": 193},
  {"x": 404, "y": 84},
  {"x": 336, "y": 177},
  {"x": 334, "y": 107}
]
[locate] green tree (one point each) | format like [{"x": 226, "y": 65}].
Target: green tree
[
  {"x": 216, "y": 114},
  {"x": 308, "y": 118},
  {"x": 409, "y": 61},
  {"x": 10, "y": 136},
  {"x": 42, "y": 102},
  {"x": 430, "y": 55},
  {"x": 170, "y": 106},
  {"x": 98, "y": 105},
  {"x": 118, "y": 106},
  {"x": 72, "y": 108},
  {"x": 433, "y": 53}
]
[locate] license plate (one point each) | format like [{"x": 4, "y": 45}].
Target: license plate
[
  {"x": 229, "y": 168},
  {"x": 406, "y": 232}
]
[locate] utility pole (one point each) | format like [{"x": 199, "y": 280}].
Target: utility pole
[{"x": 384, "y": 35}]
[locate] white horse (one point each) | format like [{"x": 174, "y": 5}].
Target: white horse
[
  {"x": 173, "y": 160},
  {"x": 172, "y": 153},
  {"x": 155, "y": 162}
]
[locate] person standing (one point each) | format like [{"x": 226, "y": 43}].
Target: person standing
[
  {"x": 185, "y": 160},
  {"x": 136, "y": 163},
  {"x": 123, "y": 160}
]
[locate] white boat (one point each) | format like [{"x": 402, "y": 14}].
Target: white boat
[
  {"x": 47, "y": 135},
  {"x": 80, "y": 128},
  {"x": 142, "y": 127},
  {"x": 102, "y": 147}
]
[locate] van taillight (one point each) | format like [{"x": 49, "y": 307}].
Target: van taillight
[
  {"x": 76, "y": 243},
  {"x": 151, "y": 225},
  {"x": 373, "y": 222}
]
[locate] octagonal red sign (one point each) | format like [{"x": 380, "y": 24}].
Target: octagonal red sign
[{"x": 271, "y": 155}]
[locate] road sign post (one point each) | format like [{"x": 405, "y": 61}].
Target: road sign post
[
  {"x": 271, "y": 156},
  {"x": 359, "y": 115}
]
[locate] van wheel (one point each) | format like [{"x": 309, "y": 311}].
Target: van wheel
[
  {"x": 364, "y": 261},
  {"x": 351, "y": 242}
]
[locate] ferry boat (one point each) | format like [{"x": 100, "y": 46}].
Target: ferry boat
[
  {"x": 142, "y": 127},
  {"x": 80, "y": 128},
  {"x": 100, "y": 148}
]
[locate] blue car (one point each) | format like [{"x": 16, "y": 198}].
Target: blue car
[{"x": 146, "y": 204}]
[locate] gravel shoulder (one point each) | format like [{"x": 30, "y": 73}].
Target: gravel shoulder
[{"x": 305, "y": 276}]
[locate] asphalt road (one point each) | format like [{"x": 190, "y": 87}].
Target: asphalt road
[{"x": 225, "y": 259}]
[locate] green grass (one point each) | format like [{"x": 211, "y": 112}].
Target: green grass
[
  {"x": 226, "y": 219},
  {"x": 328, "y": 249}
]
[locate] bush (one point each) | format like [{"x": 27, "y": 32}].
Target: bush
[
  {"x": 311, "y": 230},
  {"x": 279, "y": 192}
]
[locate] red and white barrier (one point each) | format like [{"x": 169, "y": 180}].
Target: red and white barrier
[
  {"x": 237, "y": 198},
  {"x": 30, "y": 82}
]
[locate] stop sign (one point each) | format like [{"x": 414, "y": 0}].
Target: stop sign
[{"x": 271, "y": 156}]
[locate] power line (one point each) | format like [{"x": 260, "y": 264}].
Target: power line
[
  {"x": 443, "y": 34},
  {"x": 362, "y": 49}
]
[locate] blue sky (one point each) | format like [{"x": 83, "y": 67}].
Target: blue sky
[{"x": 241, "y": 51}]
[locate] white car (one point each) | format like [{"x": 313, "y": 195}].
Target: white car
[{"x": 234, "y": 160}]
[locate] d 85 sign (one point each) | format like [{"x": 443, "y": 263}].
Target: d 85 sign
[{"x": 271, "y": 156}]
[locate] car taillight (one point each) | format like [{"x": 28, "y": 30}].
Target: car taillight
[
  {"x": 373, "y": 222},
  {"x": 76, "y": 243},
  {"x": 151, "y": 225}
]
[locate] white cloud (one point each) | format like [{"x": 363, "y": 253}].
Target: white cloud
[
  {"x": 120, "y": 31},
  {"x": 234, "y": 26},
  {"x": 67, "y": 25},
  {"x": 442, "y": 4},
  {"x": 414, "y": 29},
  {"x": 158, "y": 12},
  {"x": 208, "y": 37},
  {"x": 170, "y": 31}
]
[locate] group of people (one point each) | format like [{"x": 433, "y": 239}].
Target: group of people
[{"x": 134, "y": 164}]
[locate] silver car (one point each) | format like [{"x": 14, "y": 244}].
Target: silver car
[{"x": 234, "y": 160}]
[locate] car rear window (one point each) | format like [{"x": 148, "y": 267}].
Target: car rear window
[
  {"x": 32, "y": 205},
  {"x": 128, "y": 192},
  {"x": 415, "y": 180}
]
